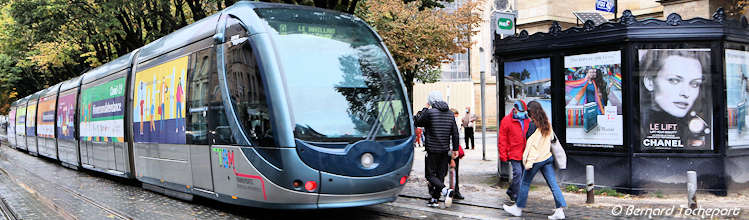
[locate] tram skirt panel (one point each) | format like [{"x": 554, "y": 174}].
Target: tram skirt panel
[{"x": 236, "y": 178}]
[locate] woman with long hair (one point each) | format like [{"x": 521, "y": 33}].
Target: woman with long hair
[
  {"x": 596, "y": 89},
  {"x": 537, "y": 157}
]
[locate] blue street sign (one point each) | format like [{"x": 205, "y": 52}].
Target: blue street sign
[{"x": 605, "y": 5}]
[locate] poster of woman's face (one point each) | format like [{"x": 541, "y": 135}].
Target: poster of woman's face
[
  {"x": 675, "y": 99},
  {"x": 593, "y": 94},
  {"x": 737, "y": 94},
  {"x": 528, "y": 80}
]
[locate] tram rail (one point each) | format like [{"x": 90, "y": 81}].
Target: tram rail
[
  {"x": 114, "y": 213},
  {"x": 5, "y": 210}
]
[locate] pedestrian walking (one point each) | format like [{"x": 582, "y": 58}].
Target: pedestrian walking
[
  {"x": 511, "y": 144},
  {"x": 419, "y": 132},
  {"x": 440, "y": 131},
  {"x": 456, "y": 187},
  {"x": 468, "y": 123},
  {"x": 537, "y": 156}
]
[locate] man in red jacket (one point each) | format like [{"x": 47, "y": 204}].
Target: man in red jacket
[{"x": 511, "y": 144}]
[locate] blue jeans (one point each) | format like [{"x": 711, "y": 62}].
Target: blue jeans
[
  {"x": 517, "y": 178},
  {"x": 179, "y": 117},
  {"x": 547, "y": 169}
]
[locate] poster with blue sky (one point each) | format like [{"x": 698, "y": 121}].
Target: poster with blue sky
[{"x": 528, "y": 80}]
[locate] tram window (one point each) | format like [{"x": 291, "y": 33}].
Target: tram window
[
  {"x": 246, "y": 89},
  {"x": 217, "y": 123},
  {"x": 206, "y": 122},
  {"x": 197, "y": 118},
  {"x": 342, "y": 85},
  {"x": 234, "y": 29}
]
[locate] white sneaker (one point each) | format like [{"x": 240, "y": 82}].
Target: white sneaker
[
  {"x": 558, "y": 214},
  {"x": 513, "y": 210},
  {"x": 448, "y": 197},
  {"x": 433, "y": 203}
]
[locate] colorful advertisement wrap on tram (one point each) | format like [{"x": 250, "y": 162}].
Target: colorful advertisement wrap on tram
[
  {"x": 593, "y": 106},
  {"x": 66, "y": 115},
  {"x": 21, "y": 120},
  {"x": 675, "y": 99},
  {"x": 159, "y": 106},
  {"x": 102, "y": 111},
  {"x": 12, "y": 123},
  {"x": 46, "y": 117},
  {"x": 31, "y": 119}
]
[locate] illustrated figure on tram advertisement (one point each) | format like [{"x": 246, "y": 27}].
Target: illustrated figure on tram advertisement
[{"x": 165, "y": 113}]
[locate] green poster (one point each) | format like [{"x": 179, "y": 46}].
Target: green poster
[{"x": 101, "y": 112}]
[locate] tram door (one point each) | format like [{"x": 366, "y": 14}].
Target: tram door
[
  {"x": 241, "y": 121},
  {"x": 204, "y": 108}
]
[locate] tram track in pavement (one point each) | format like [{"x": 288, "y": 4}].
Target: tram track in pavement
[
  {"x": 5, "y": 211},
  {"x": 113, "y": 213},
  {"x": 471, "y": 210}
]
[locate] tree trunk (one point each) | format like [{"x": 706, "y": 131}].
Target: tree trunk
[
  {"x": 408, "y": 79},
  {"x": 197, "y": 9},
  {"x": 352, "y": 7}
]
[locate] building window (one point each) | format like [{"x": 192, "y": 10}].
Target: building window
[{"x": 456, "y": 70}]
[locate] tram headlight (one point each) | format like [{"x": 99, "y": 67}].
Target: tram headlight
[{"x": 367, "y": 160}]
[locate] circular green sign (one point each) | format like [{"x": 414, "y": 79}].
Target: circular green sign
[{"x": 504, "y": 23}]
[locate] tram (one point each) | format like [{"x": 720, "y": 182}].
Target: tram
[{"x": 264, "y": 105}]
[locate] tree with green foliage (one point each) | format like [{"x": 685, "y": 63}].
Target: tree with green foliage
[
  {"x": 521, "y": 75},
  {"x": 421, "y": 40}
]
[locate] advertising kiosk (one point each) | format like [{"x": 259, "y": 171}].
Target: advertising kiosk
[{"x": 644, "y": 101}]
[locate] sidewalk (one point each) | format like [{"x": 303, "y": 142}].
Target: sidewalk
[{"x": 479, "y": 185}]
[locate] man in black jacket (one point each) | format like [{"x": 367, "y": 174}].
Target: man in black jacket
[{"x": 439, "y": 130}]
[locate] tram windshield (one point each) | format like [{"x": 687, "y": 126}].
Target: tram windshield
[{"x": 341, "y": 83}]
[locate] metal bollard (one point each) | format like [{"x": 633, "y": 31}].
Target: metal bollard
[
  {"x": 692, "y": 189},
  {"x": 590, "y": 181}
]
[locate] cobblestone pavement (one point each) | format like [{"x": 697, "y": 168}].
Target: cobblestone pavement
[
  {"x": 479, "y": 186},
  {"x": 22, "y": 202}
]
